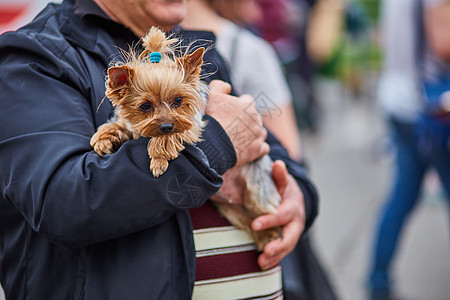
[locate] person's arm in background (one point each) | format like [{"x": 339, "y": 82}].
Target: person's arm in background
[
  {"x": 284, "y": 126},
  {"x": 324, "y": 29},
  {"x": 437, "y": 28}
]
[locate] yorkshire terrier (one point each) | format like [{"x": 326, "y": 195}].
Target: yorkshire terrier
[{"x": 159, "y": 94}]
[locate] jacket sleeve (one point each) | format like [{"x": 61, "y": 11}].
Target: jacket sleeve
[
  {"x": 310, "y": 195},
  {"x": 52, "y": 176}
]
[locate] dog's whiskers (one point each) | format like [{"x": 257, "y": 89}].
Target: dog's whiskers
[{"x": 101, "y": 102}]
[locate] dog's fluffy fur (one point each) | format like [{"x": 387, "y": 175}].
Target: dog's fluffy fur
[{"x": 163, "y": 101}]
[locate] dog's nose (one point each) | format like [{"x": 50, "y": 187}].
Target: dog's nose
[{"x": 166, "y": 128}]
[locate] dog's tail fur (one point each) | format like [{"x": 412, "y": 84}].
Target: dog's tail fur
[{"x": 156, "y": 41}]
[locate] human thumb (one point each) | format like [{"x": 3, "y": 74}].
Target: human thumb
[
  {"x": 279, "y": 175},
  {"x": 219, "y": 86}
]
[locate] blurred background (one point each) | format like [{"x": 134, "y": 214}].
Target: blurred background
[{"x": 331, "y": 54}]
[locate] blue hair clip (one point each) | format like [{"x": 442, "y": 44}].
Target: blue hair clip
[{"x": 155, "y": 57}]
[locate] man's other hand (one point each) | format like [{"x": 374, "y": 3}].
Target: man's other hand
[{"x": 241, "y": 121}]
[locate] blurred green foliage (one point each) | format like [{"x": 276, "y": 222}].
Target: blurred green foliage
[
  {"x": 371, "y": 8},
  {"x": 358, "y": 50}
]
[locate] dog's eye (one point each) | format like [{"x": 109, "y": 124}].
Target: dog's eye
[
  {"x": 177, "y": 102},
  {"x": 145, "y": 107}
]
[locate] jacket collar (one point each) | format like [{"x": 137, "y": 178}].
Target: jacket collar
[
  {"x": 89, "y": 7},
  {"x": 87, "y": 26}
]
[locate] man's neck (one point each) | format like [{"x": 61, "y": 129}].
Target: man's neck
[{"x": 120, "y": 11}]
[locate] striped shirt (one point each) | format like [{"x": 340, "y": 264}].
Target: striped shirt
[{"x": 227, "y": 261}]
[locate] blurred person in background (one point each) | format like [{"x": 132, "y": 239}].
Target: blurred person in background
[
  {"x": 286, "y": 25},
  {"x": 415, "y": 78},
  {"x": 255, "y": 69}
]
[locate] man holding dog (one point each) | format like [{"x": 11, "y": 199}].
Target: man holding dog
[{"x": 75, "y": 225}]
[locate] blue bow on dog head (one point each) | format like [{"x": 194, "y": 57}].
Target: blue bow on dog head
[{"x": 155, "y": 57}]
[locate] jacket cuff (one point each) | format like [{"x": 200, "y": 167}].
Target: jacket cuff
[{"x": 217, "y": 146}]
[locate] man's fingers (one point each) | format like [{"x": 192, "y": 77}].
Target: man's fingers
[
  {"x": 219, "y": 86},
  {"x": 291, "y": 234},
  {"x": 277, "y": 249},
  {"x": 284, "y": 213},
  {"x": 279, "y": 175},
  {"x": 265, "y": 148},
  {"x": 265, "y": 134},
  {"x": 277, "y": 218},
  {"x": 268, "y": 258}
]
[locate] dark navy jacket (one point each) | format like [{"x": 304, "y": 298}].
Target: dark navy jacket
[{"x": 77, "y": 226}]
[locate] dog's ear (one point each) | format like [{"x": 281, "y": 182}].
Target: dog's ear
[
  {"x": 192, "y": 64},
  {"x": 120, "y": 77},
  {"x": 119, "y": 80}
]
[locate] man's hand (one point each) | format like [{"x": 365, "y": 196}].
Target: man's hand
[
  {"x": 232, "y": 187},
  {"x": 241, "y": 121},
  {"x": 290, "y": 215}
]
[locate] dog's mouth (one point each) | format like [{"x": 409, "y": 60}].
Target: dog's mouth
[{"x": 163, "y": 129}]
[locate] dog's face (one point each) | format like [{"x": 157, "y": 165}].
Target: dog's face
[{"x": 158, "y": 98}]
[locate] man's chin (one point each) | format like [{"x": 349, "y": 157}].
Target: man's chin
[
  {"x": 168, "y": 23},
  {"x": 172, "y": 14}
]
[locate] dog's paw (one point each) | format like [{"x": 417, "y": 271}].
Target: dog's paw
[
  {"x": 158, "y": 166},
  {"x": 105, "y": 143},
  {"x": 101, "y": 144},
  {"x": 109, "y": 137}
]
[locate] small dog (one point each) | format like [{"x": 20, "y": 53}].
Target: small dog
[{"x": 158, "y": 94}]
